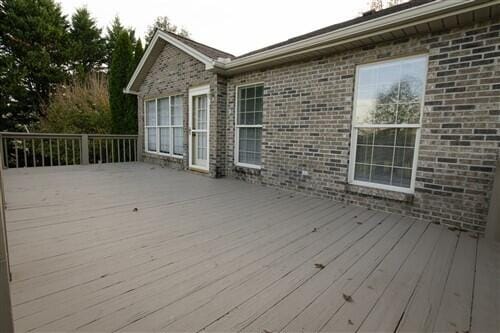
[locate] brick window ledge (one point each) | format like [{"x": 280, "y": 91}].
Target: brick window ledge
[{"x": 380, "y": 193}]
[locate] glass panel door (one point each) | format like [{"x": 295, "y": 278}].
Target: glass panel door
[{"x": 199, "y": 152}]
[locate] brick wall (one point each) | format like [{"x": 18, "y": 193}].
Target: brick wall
[
  {"x": 173, "y": 73},
  {"x": 307, "y": 125}
]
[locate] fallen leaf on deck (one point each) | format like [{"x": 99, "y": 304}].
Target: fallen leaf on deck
[
  {"x": 315, "y": 229},
  {"x": 347, "y": 298},
  {"x": 320, "y": 266},
  {"x": 135, "y": 209},
  {"x": 350, "y": 322}
]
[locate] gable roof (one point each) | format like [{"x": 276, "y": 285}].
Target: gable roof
[
  {"x": 400, "y": 21},
  {"x": 205, "y": 49}
]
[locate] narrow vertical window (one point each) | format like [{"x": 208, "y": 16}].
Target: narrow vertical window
[
  {"x": 249, "y": 125},
  {"x": 386, "y": 123}
]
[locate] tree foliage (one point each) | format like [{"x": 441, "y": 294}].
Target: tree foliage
[
  {"x": 164, "y": 23},
  {"x": 88, "y": 48},
  {"x": 33, "y": 58},
  {"x": 381, "y": 4},
  {"x": 123, "y": 108},
  {"x": 80, "y": 107},
  {"x": 112, "y": 34}
]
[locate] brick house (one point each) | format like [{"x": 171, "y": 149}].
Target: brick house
[{"x": 397, "y": 110}]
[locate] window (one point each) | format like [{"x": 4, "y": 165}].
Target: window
[
  {"x": 164, "y": 133},
  {"x": 386, "y": 123},
  {"x": 249, "y": 125}
]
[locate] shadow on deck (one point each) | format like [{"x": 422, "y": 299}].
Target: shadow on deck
[{"x": 134, "y": 247}]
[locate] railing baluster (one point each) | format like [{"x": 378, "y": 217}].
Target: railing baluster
[
  {"x": 43, "y": 152},
  {"x": 107, "y": 153},
  {"x": 93, "y": 150},
  {"x": 17, "y": 153},
  {"x": 118, "y": 154},
  {"x": 100, "y": 150},
  {"x": 50, "y": 152},
  {"x": 112, "y": 150},
  {"x": 34, "y": 152},
  {"x": 58, "y": 153},
  {"x": 65, "y": 151},
  {"x": 129, "y": 151},
  {"x": 135, "y": 150},
  {"x": 73, "y": 150},
  {"x": 24, "y": 152},
  {"x": 124, "y": 151}
]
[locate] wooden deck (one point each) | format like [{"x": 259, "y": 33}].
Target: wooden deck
[{"x": 135, "y": 247}]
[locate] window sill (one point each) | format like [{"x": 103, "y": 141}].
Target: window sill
[
  {"x": 380, "y": 193},
  {"x": 154, "y": 153},
  {"x": 248, "y": 166}
]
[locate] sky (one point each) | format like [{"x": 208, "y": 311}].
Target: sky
[{"x": 233, "y": 26}]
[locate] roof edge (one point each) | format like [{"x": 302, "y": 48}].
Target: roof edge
[{"x": 209, "y": 62}]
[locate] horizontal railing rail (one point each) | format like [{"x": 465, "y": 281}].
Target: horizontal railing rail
[{"x": 25, "y": 150}]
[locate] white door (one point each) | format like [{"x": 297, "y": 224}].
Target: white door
[{"x": 199, "y": 118}]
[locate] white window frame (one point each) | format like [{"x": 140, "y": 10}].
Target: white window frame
[
  {"x": 237, "y": 127},
  {"x": 355, "y": 127},
  {"x": 157, "y": 127}
]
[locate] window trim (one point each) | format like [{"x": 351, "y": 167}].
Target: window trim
[
  {"x": 237, "y": 127},
  {"x": 157, "y": 127},
  {"x": 355, "y": 127}
]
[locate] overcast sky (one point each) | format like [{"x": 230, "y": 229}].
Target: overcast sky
[{"x": 233, "y": 26}]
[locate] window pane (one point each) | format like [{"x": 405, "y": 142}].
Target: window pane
[
  {"x": 406, "y": 137},
  {"x": 178, "y": 141},
  {"x": 151, "y": 113},
  {"x": 250, "y": 105},
  {"x": 176, "y": 110},
  {"x": 249, "y": 148},
  {"x": 381, "y": 175},
  {"x": 403, "y": 157},
  {"x": 364, "y": 154},
  {"x": 383, "y": 155},
  {"x": 385, "y": 137},
  {"x": 163, "y": 105},
  {"x": 401, "y": 177},
  {"x": 362, "y": 172},
  {"x": 165, "y": 140},
  {"x": 389, "y": 93},
  {"x": 151, "y": 139}
]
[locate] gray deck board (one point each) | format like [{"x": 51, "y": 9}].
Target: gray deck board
[{"x": 223, "y": 255}]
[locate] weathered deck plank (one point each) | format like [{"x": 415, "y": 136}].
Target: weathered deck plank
[{"x": 223, "y": 255}]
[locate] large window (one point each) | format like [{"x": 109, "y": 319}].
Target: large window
[
  {"x": 386, "y": 123},
  {"x": 164, "y": 132},
  {"x": 249, "y": 125}
]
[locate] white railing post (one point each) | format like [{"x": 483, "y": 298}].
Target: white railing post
[{"x": 84, "y": 150}]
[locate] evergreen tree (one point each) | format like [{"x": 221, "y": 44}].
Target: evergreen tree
[
  {"x": 33, "y": 58},
  {"x": 138, "y": 53},
  {"x": 88, "y": 48},
  {"x": 112, "y": 34},
  {"x": 123, "y": 108}
]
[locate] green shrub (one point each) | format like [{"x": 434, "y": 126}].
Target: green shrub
[{"x": 80, "y": 107}]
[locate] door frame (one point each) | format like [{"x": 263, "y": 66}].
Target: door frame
[{"x": 196, "y": 91}]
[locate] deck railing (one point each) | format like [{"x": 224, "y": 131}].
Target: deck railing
[{"x": 25, "y": 150}]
